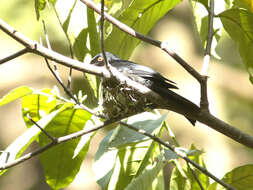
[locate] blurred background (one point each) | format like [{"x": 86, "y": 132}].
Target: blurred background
[{"x": 230, "y": 92}]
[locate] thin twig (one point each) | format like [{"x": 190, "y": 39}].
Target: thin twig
[
  {"x": 69, "y": 42},
  {"x": 142, "y": 37},
  {"x": 43, "y": 130},
  {"x": 57, "y": 141},
  {"x": 195, "y": 176},
  {"x": 13, "y": 56},
  {"x": 36, "y": 48},
  {"x": 183, "y": 156},
  {"x": 102, "y": 33}
]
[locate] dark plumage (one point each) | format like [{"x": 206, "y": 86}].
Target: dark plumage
[{"x": 153, "y": 80}]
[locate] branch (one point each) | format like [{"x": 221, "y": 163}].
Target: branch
[
  {"x": 183, "y": 156},
  {"x": 203, "y": 116},
  {"x": 163, "y": 45},
  {"x": 38, "y": 49},
  {"x": 55, "y": 142},
  {"x": 13, "y": 56}
]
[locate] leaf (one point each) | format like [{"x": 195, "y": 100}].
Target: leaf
[
  {"x": 38, "y": 104},
  {"x": 238, "y": 23},
  {"x": 104, "y": 161},
  {"x": 145, "y": 180},
  {"x": 93, "y": 33},
  {"x": 240, "y": 178},
  {"x": 124, "y": 135},
  {"x": 79, "y": 46},
  {"x": 20, "y": 144},
  {"x": 60, "y": 163},
  {"x": 141, "y": 16},
  {"x": 120, "y": 161},
  {"x": 15, "y": 94},
  {"x": 178, "y": 181},
  {"x": 39, "y": 5},
  {"x": 183, "y": 178},
  {"x": 65, "y": 24}
]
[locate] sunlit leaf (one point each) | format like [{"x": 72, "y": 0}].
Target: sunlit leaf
[
  {"x": 62, "y": 163},
  {"x": 20, "y": 144},
  {"x": 15, "y": 94}
]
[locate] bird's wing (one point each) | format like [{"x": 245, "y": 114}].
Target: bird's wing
[{"x": 130, "y": 68}]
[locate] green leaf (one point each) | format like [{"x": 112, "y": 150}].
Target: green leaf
[
  {"x": 39, "y": 5},
  {"x": 145, "y": 180},
  {"x": 122, "y": 154},
  {"x": 238, "y": 23},
  {"x": 93, "y": 33},
  {"x": 141, "y": 16},
  {"x": 20, "y": 144},
  {"x": 124, "y": 135},
  {"x": 60, "y": 163},
  {"x": 179, "y": 181},
  {"x": 104, "y": 161},
  {"x": 38, "y": 104},
  {"x": 183, "y": 178},
  {"x": 65, "y": 25},
  {"x": 15, "y": 94},
  {"x": 199, "y": 8},
  {"x": 240, "y": 178},
  {"x": 79, "y": 46}
]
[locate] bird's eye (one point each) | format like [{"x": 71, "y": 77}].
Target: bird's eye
[{"x": 100, "y": 59}]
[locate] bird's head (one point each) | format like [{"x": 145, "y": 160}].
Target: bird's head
[{"x": 98, "y": 60}]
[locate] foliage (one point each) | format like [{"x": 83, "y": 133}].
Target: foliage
[{"x": 124, "y": 159}]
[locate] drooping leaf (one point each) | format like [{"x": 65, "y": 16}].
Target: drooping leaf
[{"x": 62, "y": 163}]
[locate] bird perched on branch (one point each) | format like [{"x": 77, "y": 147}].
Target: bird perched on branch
[{"x": 122, "y": 101}]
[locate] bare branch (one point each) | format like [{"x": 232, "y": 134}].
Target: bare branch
[
  {"x": 38, "y": 49},
  {"x": 13, "y": 56},
  {"x": 44, "y": 131}
]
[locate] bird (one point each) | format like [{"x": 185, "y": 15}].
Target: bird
[{"x": 154, "y": 81}]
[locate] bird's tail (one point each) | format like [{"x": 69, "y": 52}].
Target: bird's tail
[{"x": 180, "y": 105}]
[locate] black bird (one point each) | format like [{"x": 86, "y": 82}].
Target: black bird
[{"x": 154, "y": 81}]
